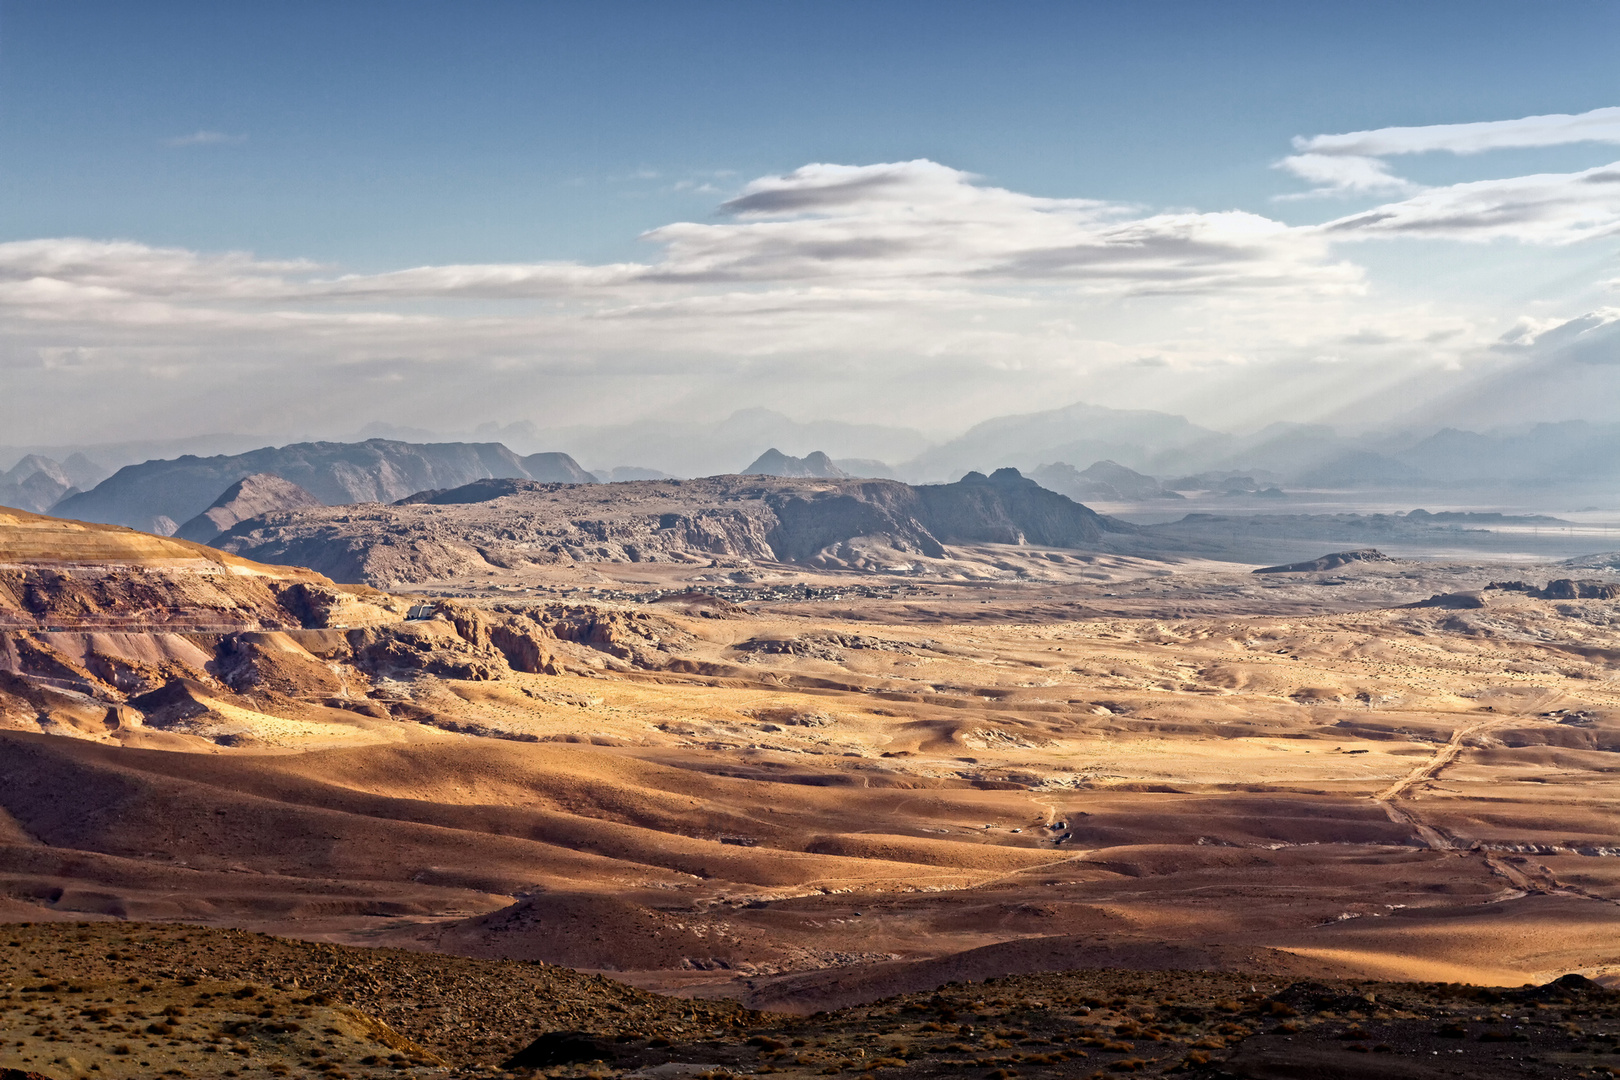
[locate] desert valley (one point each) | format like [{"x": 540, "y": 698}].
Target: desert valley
[{"x": 798, "y": 744}]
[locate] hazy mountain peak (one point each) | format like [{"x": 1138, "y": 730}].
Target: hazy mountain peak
[{"x": 814, "y": 464}]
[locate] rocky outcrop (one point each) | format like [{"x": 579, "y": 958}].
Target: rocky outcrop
[
  {"x": 378, "y": 470},
  {"x": 811, "y": 525},
  {"x": 1007, "y": 508},
  {"x": 428, "y": 646},
  {"x": 93, "y": 615},
  {"x": 1452, "y": 601},
  {"x": 507, "y": 523},
  {"x": 1328, "y": 562},
  {"x": 1563, "y": 589},
  {"x": 104, "y": 629},
  {"x": 249, "y": 497}
]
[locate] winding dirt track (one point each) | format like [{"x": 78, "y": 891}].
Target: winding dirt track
[
  {"x": 1443, "y": 756},
  {"x": 1401, "y": 789},
  {"x": 1523, "y": 878}
]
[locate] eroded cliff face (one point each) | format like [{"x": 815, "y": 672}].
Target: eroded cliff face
[
  {"x": 510, "y": 524},
  {"x": 242, "y": 687},
  {"x": 114, "y": 635},
  {"x": 78, "y": 576}
]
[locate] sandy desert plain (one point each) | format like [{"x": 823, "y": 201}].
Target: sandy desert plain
[{"x": 804, "y": 790}]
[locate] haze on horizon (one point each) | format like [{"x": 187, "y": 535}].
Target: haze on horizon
[{"x": 291, "y": 222}]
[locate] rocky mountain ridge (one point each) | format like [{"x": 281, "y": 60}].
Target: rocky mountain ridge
[
  {"x": 858, "y": 524},
  {"x": 111, "y": 634},
  {"x": 378, "y": 470}
]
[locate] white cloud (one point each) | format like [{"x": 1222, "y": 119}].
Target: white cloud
[
  {"x": 1548, "y": 208},
  {"x": 1557, "y": 129},
  {"x": 919, "y": 220},
  {"x": 1351, "y": 163},
  {"x": 827, "y": 189},
  {"x": 205, "y": 138},
  {"x": 137, "y": 269},
  {"x": 897, "y": 225},
  {"x": 501, "y": 281},
  {"x": 1343, "y": 175}
]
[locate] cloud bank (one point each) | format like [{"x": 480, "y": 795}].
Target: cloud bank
[{"x": 901, "y": 285}]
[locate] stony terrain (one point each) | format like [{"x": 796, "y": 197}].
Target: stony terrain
[{"x": 143, "y": 1000}]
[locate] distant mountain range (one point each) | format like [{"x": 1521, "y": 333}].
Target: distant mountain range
[
  {"x": 692, "y": 448},
  {"x": 37, "y": 482},
  {"x": 1083, "y": 451},
  {"x": 817, "y": 464},
  {"x": 1105, "y": 480},
  {"x": 157, "y": 495},
  {"x": 775, "y": 463}
]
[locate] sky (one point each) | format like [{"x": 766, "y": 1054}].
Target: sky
[{"x": 295, "y": 219}]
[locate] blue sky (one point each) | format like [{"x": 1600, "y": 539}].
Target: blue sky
[{"x": 361, "y": 139}]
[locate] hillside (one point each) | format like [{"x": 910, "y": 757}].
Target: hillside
[
  {"x": 378, "y": 470},
  {"x": 260, "y": 493},
  {"x": 58, "y": 575}
]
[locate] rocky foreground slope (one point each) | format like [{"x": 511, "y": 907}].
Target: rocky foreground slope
[
  {"x": 827, "y": 523},
  {"x": 139, "y": 1000}
]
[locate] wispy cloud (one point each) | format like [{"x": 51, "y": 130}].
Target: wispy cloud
[
  {"x": 1351, "y": 163},
  {"x": 1556, "y": 129},
  {"x": 205, "y": 138},
  {"x": 1546, "y": 208},
  {"x": 1336, "y": 175}
]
